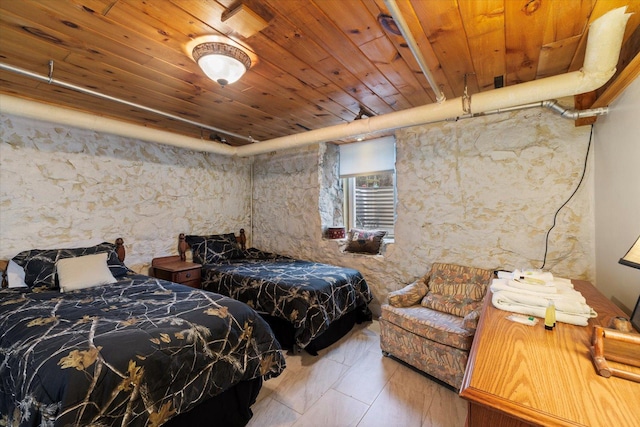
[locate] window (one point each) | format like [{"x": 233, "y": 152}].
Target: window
[
  {"x": 368, "y": 173},
  {"x": 370, "y": 201}
]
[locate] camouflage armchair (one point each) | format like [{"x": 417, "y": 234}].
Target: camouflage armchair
[{"x": 430, "y": 323}]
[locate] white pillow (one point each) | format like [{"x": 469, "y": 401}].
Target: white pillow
[
  {"x": 83, "y": 272},
  {"x": 15, "y": 275}
]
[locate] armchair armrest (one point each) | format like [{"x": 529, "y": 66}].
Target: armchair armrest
[{"x": 470, "y": 321}]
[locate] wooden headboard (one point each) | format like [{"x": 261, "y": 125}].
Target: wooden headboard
[
  {"x": 183, "y": 246},
  {"x": 4, "y": 263},
  {"x": 120, "y": 250}
]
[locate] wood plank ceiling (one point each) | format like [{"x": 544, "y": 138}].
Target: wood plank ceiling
[{"x": 319, "y": 62}]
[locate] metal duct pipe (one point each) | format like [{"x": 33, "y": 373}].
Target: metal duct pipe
[
  {"x": 51, "y": 80},
  {"x": 415, "y": 49},
  {"x": 572, "y": 114},
  {"x": 603, "y": 48},
  {"x": 564, "y": 112}
]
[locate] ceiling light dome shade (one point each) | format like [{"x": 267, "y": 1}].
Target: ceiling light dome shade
[{"x": 221, "y": 62}]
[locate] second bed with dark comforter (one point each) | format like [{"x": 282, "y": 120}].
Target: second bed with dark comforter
[{"x": 309, "y": 295}]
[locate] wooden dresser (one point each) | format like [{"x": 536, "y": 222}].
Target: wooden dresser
[{"x": 520, "y": 375}]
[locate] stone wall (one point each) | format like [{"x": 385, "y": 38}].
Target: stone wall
[
  {"x": 480, "y": 192},
  {"x": 62, "y": 187}
]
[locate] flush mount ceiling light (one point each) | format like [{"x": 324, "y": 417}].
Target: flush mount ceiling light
[{"x": 221, "y": 62}]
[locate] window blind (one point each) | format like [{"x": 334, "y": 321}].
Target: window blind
[
  {"x": 368, "y": 157},
  {"x": 375, "y": 208}
]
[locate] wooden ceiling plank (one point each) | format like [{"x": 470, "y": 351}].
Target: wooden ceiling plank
[
  {"x": 386, "y": 58},
  {"x": 17, "y": 43},
  {"x": 288, "y": 46},
  {"x": 524, "y": 22},
  {"x": 298, "y": 44},
  {"x": 138, "y": 32},
  {"x": 443, "y": 27},
  {"x": 209, "y": 13},
  {"x": 365, "y": 32},
  {"x": 23, "y": 33},
  {"x": 10, "y": 80},
  {"x": 317, "y": 25},
  {"x": 555, "y": 57},
  {"x": 123, "y": 63},
  {"x": 348, "y": 16},
  {"x": 484, "y": 25},
  {"x": 432, "y": 62},
  {"x": 562, "y": 24},
  {"x": 413, "y": 71},
  {"x": 53, "y": 16}
]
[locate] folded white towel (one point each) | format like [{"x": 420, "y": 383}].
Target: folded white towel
[
  {"x": 502, "y": 301},
  {"x": 545, "y": 276},
  {"x": 562, "y": 292},
  {"x": 544, "y": 289},
  {"x": 564, "y": 305}
]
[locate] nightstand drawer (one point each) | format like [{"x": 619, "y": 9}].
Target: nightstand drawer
[
  {"x": 187, "y": 276},
  {"x": 193, "y": 283}
]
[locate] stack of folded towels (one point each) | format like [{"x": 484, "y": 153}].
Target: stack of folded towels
[{"x": 529, "y": 292}]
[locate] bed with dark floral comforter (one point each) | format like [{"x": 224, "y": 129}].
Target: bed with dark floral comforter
[
  {"x": 136, "y": 352},
  {"x": 310, "y": 296}
]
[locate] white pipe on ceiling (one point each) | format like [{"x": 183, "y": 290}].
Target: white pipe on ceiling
[
  {"x": 413, "y": 46},
  {"x": 601, "y": 57},
  {"x": 50, "y": 80},
  {"x": 54, "y": 114}
]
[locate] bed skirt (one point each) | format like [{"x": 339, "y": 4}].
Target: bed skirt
[
  {"x": 231, "y": 408},
  {"x": 284, "y": 331}
]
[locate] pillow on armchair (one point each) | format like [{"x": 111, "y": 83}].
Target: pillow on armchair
[
  {"x": 409, "y": 295},
  {"x": 456, "y": 289}
]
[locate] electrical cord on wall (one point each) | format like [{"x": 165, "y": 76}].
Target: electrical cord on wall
[{"x": 555, "y": 216}]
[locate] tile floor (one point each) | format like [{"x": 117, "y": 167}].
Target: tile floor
[{"x": 352, "y": 384}]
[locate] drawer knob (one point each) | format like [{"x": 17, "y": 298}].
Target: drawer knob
[{"x": 188, "y": 275}]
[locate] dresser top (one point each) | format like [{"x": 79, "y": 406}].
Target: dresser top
[{"x": 547, "y": 377}]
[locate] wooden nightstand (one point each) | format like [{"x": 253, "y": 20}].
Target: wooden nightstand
[{"x": 173, "y": 269}]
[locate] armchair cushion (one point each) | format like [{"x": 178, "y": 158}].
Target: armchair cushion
[
  {"x": 409, "y": 295},
  {"x": 455, "y": 289}
]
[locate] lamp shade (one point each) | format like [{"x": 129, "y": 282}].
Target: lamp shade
[
  {"x": 221, "y": 62},
  {"x": 632, "y": 257}
]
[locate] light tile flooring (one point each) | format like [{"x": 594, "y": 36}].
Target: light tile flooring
[{"x": 352, "y": 384}]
